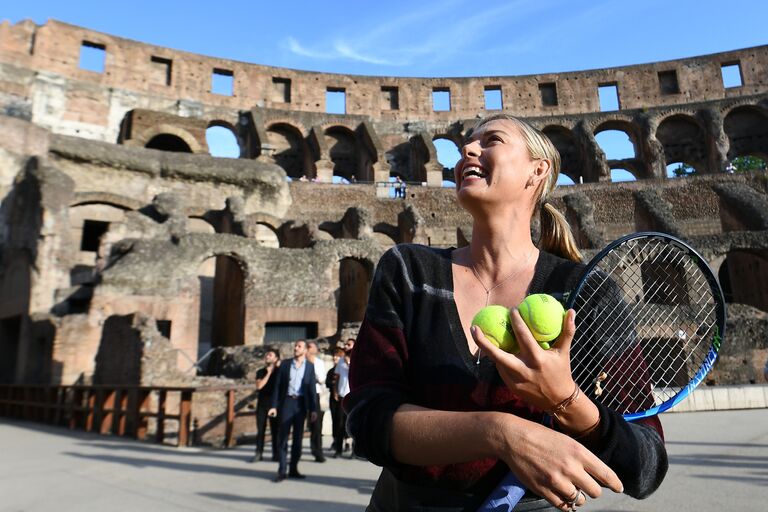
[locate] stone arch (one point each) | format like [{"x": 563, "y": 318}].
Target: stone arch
[
  {"x": 290, "y": 150},
  {"x": 168, "y": 142},
  {"x": 741, "y": 275},
  {"x": 344, "y": 151},
  {"x": 444, "y": 148},
  {"x": 570, "y": 155},
  {"x": 163, "y": 129},
  {"x": 684, "y": 140},
  {"x": 354, "y": 278},
  {"x": 746, "y": 127},
  {"x": 237, "y": 152},
  {"x": 634, "y": 164},
  {"x": 115, "y": 200},
  {"x": 266, "y": 235},
  {"x": 222, "y": 278}
]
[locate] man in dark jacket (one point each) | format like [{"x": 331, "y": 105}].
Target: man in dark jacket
[
  {"x": 294, "y": 396},
  {"x": 265, "y": 383}
]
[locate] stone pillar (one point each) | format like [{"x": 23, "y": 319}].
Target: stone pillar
[
  {"x": 717, "y": 142},
  {"x": 323, "y": 163},
  {"x": 651, "y": 150},
  {"x": 595, "y": 164}
]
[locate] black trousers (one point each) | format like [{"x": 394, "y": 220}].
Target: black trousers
[
  {"x": 262, "y": 407},
  {"x": 292, "y": 416},
  {"x": 316, "y": 431},
  {"x": 339, "y": 425}
]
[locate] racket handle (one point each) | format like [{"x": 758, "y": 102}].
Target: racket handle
[{"x": 505, "y": 496}]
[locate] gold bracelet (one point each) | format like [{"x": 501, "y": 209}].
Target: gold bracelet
[
  {"x": 585, "y": 433},
  {"x": 562, "y": 406}
]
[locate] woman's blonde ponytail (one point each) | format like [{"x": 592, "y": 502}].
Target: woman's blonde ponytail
[{"x": 556, "y": 235}]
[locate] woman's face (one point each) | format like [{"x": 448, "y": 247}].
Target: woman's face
[{"x": 495, "y": 165}]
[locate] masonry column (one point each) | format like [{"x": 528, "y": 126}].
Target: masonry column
[
  {"x": 717, "y": 142},
  {"x": 594, "y": 161},
  {"x": 323, "y": 163},
  {"x": 652, "y": 151}
]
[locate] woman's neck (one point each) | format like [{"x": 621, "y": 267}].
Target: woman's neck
[{"x": 500, "y": 248}]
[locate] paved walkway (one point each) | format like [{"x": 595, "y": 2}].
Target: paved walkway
[{"x": 719, "y": 462}]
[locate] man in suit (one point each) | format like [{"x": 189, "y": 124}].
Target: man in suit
[{"x": 294, "y": 396}]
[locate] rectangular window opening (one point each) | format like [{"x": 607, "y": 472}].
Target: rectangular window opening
[
  {"x": 93, "y": 56},
  {"x": 731, "y": 72},
  {"x": 609, "y": 97},
  {"x": 493, "y": 99},
  {"x": 289, "y": 331},
  {"x": 390, "y": 98},
  {"x": 222, "y": 82},
  {"x": 548, "y": 94},
  {"x": 335, "y": 100},
  {"x": 92, "y": 233},
  {"x": 441, "y": 99},
  {"x": 668, "y": 82},
  {"x": 161, "y": 70},
  {"x": 281, "y": 90}
]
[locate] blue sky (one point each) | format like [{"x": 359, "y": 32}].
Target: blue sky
[{"x": 428, "y": 38}]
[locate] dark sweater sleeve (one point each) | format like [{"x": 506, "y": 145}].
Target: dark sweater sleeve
[
  {"x": 378, "y": 384},
  {"x": 635, "y": 451}
]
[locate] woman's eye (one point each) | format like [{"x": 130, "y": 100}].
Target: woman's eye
[{"x": 494, "y": 138}]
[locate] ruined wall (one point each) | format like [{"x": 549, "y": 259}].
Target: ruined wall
[{"x": 96, "y": 227}]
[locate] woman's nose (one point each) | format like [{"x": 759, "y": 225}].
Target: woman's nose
[{"x": 470, "y": 149}]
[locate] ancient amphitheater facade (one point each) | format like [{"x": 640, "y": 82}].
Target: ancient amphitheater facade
[{"x": 118, "y": 227}]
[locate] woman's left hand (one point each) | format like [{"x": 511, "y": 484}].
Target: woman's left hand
[{"x": 540, "y": 377}]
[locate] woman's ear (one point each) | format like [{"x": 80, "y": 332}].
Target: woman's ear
[{"x": 539, "y": 173}]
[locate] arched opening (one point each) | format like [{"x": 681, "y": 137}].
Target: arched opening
[
  {"x": 168, "y": 142},
  {"x": 447, "y": 154},
  {"x": 570, "y": 157},
  {"x": 616, "y": 144},
  {"x": 748, "y": 163},
  {"x": 354, "y": 282},
  {"x": 564, "y": 180},
  {"x": 747, "y": 131},
  {"x": 344, "y": 152},
  {"x": 290, "y": 150},
  {"x": 222, "y": 303},
  {"x": 619, "y": 175},
  {"x": 222, "y": 141},
  {"x": 266, "y": 236},
  {"x": 679, "y": 170},
  {"x": 618, "y": 140},
  {"x": 742, "y": 275},
  {"x": 683, "y": 141}
]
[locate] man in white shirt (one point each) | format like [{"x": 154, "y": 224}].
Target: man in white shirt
[{"x": 316, "y": 427}]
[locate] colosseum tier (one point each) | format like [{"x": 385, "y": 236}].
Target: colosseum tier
[{"x": 128, "y": 252}]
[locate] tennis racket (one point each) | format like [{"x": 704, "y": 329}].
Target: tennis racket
[{"x": 650, "y": 321}]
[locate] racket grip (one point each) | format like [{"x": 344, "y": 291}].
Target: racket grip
[{"x": 505, "y": 496}]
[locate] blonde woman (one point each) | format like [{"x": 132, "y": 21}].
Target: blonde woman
[{"x": 447, "y": 424}]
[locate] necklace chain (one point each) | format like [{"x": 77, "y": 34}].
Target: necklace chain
[
  {"x": 510, "y": 276},
  {"x": 489, "y": 290}
]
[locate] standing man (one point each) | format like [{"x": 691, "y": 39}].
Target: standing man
[
  {"x": 334, "y": 404},
  {"x": 265, "y": 383},
  {"x": 316, "y": 426},
  {"x": 342, "y": 388},
  {"x": 293, "y": 397}
]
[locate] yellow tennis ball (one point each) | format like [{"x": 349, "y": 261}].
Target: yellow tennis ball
[
  {"x": 495, "y": 323},
  {"x": 543, "y": 314}
]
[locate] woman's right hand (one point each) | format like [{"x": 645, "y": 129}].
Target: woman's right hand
[{"x": 551, "y": 464}]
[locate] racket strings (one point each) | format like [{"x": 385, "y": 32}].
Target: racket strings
[{"x": 653, "y": 313}]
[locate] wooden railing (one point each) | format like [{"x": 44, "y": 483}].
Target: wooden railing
[{"x": 117, "y": 410}]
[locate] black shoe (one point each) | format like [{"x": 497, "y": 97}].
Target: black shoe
[
  {"x": 336, "y": 455},
  {"x": 256, "y": 458},
  {"x": 275, "y": 458},
  {"x": 296, "y": 474},
  {"x": 320, "y": 458},
  {"x": 279, "y": 478}
]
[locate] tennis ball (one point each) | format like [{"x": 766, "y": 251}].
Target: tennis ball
[
  {"x": 495, "y": 323},
  {"x": 543, "y": 314}
]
